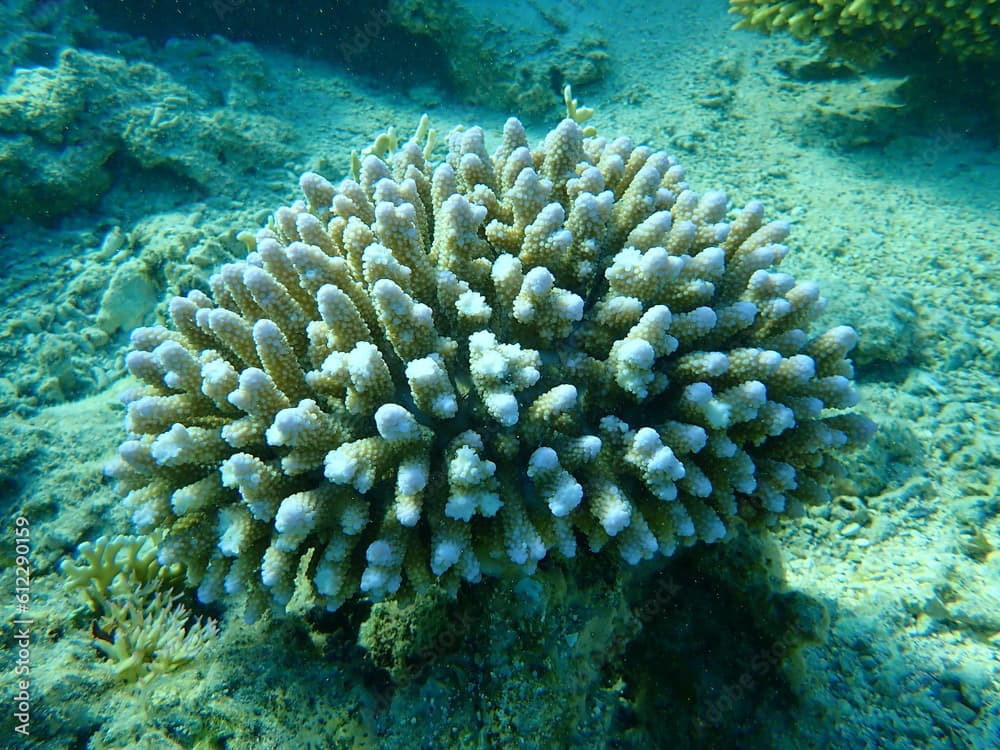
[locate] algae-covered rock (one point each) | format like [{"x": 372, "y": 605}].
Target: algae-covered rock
[
  {"x": 65, "y": 130},
  {"x": 33, "y": 31}
]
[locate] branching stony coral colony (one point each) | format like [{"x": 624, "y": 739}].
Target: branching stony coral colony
[
  {"x": 960, "y": 30},
  {"x": 436, "y": 371}
]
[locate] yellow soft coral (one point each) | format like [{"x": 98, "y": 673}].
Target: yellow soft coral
[{"x": 140, "y": 625}]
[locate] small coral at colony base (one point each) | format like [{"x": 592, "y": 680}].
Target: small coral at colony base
[
  {"x": 437, "y": 371},
  {"x": 140, "y": 625}
]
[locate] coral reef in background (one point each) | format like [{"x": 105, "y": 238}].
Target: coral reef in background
[
  {"x": 948, "y": 50},
  {"x": 514, "y": 56},
  {"x": 441, "y": 371},
  {"x": 961, "y": 30},
  {"x": 64, "y": 129}
]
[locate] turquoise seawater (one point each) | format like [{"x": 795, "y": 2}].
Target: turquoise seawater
[{"x": 158, "y": 593}]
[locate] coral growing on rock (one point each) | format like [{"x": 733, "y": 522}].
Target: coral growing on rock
[{"x": 440, "y": 371}]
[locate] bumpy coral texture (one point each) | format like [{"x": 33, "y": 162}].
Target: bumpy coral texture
[
  {"x": 443, "y": 371},
  {"x": 959, "y": 29}
]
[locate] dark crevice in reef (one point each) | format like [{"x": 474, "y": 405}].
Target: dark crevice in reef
[
  {"x": 696, "y": 651},
  {"x": 711, "y": 665},
  {"x": 357, "y": 36}
]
